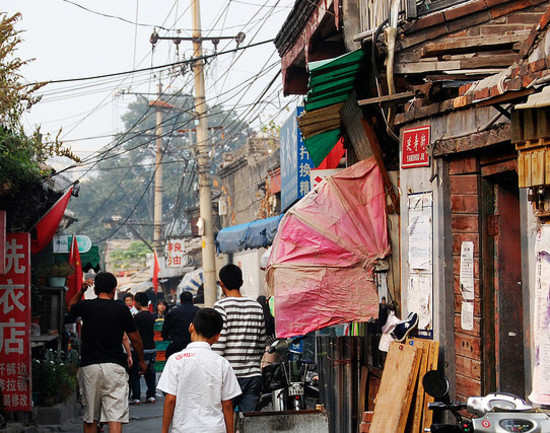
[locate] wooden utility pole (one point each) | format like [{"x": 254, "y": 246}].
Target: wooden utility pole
[
  {"x": 203, "y": 149},
  {"x": 157, "y": 213}
]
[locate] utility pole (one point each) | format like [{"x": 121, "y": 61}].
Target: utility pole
[
  {"x": 203, "y": 148},
  {"x": 157, "y": 213}
]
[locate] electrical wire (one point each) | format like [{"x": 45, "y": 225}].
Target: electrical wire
[{"x": 164, "y": 66}]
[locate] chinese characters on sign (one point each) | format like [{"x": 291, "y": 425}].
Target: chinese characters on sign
[
  {"x": 296, "y": 163},
  {"x": 175, "y": 253},
  {"x": 414, "y": 147},
  {"x": 15, "y": 319}
]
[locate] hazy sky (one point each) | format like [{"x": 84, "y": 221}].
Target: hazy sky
[{"x": 69, "y": 42}]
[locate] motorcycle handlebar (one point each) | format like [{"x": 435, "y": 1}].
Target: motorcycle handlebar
[{"x": 449, "y": 406}]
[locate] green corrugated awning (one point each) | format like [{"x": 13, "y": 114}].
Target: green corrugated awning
[
  {"x": 331, "y": 82},
  {"x": 320, "y": 145}
]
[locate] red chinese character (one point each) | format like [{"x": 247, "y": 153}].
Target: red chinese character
[
  {"x": 177, "y": 246},
  {"x": 177, "y": 260}
]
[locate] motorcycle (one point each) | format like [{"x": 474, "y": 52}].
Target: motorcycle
[
  {"x": 497, "y": 412},
  {"x": 291, "y": 383}
]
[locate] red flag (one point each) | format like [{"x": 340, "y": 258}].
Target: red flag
[
  {"x": 156, "y": 270},
  {"x": 47, "y": 226},
  {"x": 74, "y": 281},
  {"x": 334, "y": 157}
]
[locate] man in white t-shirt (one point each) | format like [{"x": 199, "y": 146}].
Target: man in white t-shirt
[{"x": 199, "y": 384}]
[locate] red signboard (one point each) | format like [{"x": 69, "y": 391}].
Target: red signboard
[
  {"x": 414, "y": 147},
  {"x": 2, "y": 240},
  {"x": 15, "y": 324}
]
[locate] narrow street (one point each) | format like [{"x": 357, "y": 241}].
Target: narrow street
[{"x": 143, "y": 418}]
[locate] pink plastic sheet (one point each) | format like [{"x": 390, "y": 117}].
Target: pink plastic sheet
[{"x": 321, "y": 265}]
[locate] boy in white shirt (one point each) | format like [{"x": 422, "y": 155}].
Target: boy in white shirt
[{"x": 199, "y": 384}]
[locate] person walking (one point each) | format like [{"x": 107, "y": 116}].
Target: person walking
[
  {"x": 102, "y": 376},
  {"x": 176, "y": 324},
  {"x": 242, "y": 340},
  {"x": 145, "y": 324},
  {"x": 199, "y": 384},
  {"x": 128, "y": 299}
]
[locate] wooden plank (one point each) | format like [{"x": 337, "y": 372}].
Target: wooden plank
[
  {"x": 423, "y": 67},
  {"x": 396, "y": 97},
  {"x": 529, "y": 127},
  {"x": 396, "y": 389},
  {"x": 377, "y": 152},
  {"x": 433, "y": 360},
  {"x": 489, "y": 60},
  {"x": 464, "y": 45},
  {"x": 546, "y": 166},
  {"x": 363, "y": 389},
  {"x": 537, "y": 177},
  {"x": 521, "y": 170},
  {"x": 423, "y": 346},
  {"x": 506, "y": 97}
]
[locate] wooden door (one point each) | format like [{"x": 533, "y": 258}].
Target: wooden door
[{"x": 503, "y": 361}]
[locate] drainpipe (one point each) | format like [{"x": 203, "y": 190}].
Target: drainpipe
[{"x": 391, "y": 37}]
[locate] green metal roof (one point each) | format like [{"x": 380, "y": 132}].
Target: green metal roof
[{"x": 331, "y": 81}]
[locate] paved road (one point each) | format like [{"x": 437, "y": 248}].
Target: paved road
[{"x": 143, "y": 418}]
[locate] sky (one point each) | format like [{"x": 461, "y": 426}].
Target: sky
[{"x": 67, "y": 41}]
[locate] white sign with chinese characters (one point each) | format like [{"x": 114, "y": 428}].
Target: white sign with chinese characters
[
  {"x": 15, "y": 324},
  {"x": 175, "y": 253}
]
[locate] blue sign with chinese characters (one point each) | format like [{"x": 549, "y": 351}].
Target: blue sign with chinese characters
[{"x": 295, "y": 162}]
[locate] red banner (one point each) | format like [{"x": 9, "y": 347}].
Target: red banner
[
  {"x": 15, "y": 324},
  {"x": 2, "y": 240},
  {"x": 414, "y": 147}
]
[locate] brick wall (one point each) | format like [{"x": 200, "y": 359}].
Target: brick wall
[{"x": 464, "y": 175}]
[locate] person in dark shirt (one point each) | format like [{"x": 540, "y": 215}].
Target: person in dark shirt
[
  {"x": 176, "y": 324},
  {"x": 102, "y": 374},
  {"x": 144, "y": 323}
]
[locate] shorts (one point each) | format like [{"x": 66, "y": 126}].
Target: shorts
[{"x": 104, "y": 393}]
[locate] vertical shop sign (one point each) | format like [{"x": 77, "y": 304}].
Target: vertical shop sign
[
  {"x": 414, "y": 147},
  {"x": 2, "y": 241},
  {"x": 175, "y": 253},
  {"x": 419, "y": 291},
  {"x": 296, "y": 163},
  {"x": 15, "y": 324},
  {"x": 541, "y": 327}
]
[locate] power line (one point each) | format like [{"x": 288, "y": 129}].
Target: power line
[{"x": 151, "y": 68}]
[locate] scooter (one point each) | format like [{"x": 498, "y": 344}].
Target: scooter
[
  {"x": 292, "y": 383},
  {"x": 497, "y": 412}
]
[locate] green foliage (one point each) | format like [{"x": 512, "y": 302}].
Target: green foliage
[
  {"x": 135, "y": 254},
  {"x": 21, "y": 156},
  {"x": 54, "y": 378},
  {"x": 62, "y": 269}
]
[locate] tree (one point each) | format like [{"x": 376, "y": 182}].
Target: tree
[
  {"x": 21, "y": 156},
  {"x": 123, "y": 186}
]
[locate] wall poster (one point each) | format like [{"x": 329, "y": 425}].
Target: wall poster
[
  {"x": 420, "y": 290},
  {"x": 541, "y": 329}
]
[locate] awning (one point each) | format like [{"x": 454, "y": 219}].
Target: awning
[
  {"x": 330, "y": 84},
  {"x": 255, "y": 234},
  {"x": 331, "y": 81},
  {"x": 322, "y": 263}
]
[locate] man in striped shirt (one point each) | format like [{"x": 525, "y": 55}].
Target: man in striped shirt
[{"x": 242, "y": 340}]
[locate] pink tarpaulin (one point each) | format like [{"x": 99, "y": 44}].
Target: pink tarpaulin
[{"x": 321, "y": 264}]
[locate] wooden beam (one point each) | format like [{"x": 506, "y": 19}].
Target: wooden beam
[
  {"x": 476, "y": 140},
  {"x": 377, "y": 152},
  {"x": 466, "y": 45},
  {"x": 422, "y": 67},
  {"x": 489, "y": 61},
  {"x": 396, "y": 97},
  {"x": 506, "y": 97}
]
